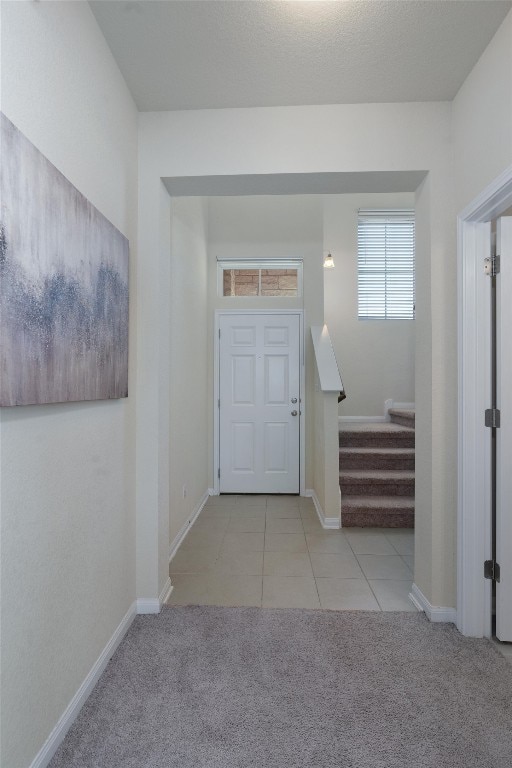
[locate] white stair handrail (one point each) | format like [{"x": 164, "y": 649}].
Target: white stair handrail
[{"x": 327, "y": 366}]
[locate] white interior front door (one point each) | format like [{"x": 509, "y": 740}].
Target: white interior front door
[
  {"x": 259, "y": 403},
  {"x": 504, "y": 433}
]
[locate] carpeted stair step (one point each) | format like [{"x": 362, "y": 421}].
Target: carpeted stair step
[
  {"x": 377, "y": 512},
  {"x": 402, "y": 416},
  {"x": 375, "y": 483},
  {"x": 377, "y": 458},
  {"x": 376, "y": 435}
]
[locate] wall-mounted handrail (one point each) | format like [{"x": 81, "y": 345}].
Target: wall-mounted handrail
[{"x": 327, "y": 366}]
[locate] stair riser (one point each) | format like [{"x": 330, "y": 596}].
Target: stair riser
[
  {"x": 376, "y": 461},
  {"x": 377, "y": 483},
  {"x": 375, "y": 519},
  {"x": 359, "y": 440},
  {"x": 404, "y": 421},
  {"x": 386, "y": 488}
]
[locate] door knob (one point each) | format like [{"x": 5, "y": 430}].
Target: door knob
[
  {"x": 294, "y": 399},
  {"x": 294, "y": 413}
]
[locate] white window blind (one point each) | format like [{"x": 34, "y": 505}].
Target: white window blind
[{"x": 385, "y": 264}]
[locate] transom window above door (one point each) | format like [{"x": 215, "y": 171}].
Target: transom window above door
[{"x": 267, "y": 277}]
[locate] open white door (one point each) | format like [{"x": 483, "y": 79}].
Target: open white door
[
  {"x": 504, "y": 433},
  {"x": 259, "y": 403},
  {"x": 477, "y": 394}
]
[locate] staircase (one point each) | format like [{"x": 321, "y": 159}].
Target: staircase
[{"x": 377, "y": 472}]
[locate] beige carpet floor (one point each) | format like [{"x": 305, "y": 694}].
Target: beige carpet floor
[{"x": 208, "y": 687}]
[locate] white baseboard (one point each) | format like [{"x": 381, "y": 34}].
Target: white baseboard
[
  {"x": 213, "y": 492},
  {"x": 175, "y": 544},
  {"x": 361, "y": 419},
  {"x": 154, "y": 604},
  {"x": 166, "y": 592},
  {"x": 327, "y": 522},
  {"x": 388, "y": 404},
  {"x": 148, "y": 605},
  {"x": 435, "y": 613},
  {"x": 69, "y": 715}
]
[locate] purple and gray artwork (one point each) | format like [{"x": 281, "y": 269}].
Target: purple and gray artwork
[{"x": 63, "y": 286}]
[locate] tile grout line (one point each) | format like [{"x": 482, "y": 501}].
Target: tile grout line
[
  {"x": 311, "y": 566},
  {"x": 375, "y": 596},
  {"x": 263, "y": 563},
  {"x": 367, "y": 579},
  {"x": 411, "y": 570},
  {"x": 223, "y": 539}
]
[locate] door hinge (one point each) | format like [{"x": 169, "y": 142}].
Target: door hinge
[
  {"x": 218, "y": 472},
  {"x": 492, "y": 265},
  {"x": 491, "y": 570},
  {"x": 492, "y": 418}
]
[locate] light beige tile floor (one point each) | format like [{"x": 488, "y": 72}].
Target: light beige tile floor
[{"x": 272, "y": 551}]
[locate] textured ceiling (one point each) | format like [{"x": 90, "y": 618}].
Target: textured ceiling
[{"x": 197, "y": 54}]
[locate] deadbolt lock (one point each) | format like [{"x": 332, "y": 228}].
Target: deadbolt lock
[{"x": 294, "y": 399}]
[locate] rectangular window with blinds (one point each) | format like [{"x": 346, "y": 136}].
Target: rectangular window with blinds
[{"x": 385, "y": 264}]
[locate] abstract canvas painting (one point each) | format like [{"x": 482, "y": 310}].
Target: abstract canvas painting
[{"x": 63, "y": 286}]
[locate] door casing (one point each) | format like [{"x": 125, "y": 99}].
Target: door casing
[
  {"x": 216, "y": 351},
  {"x": 504, "y": 433}
]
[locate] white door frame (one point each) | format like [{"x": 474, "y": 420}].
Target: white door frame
[
  {"x": 504, "y": 434},
  {"x": 216, "y": 371},
  {"x": 474, "y": 360}
]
